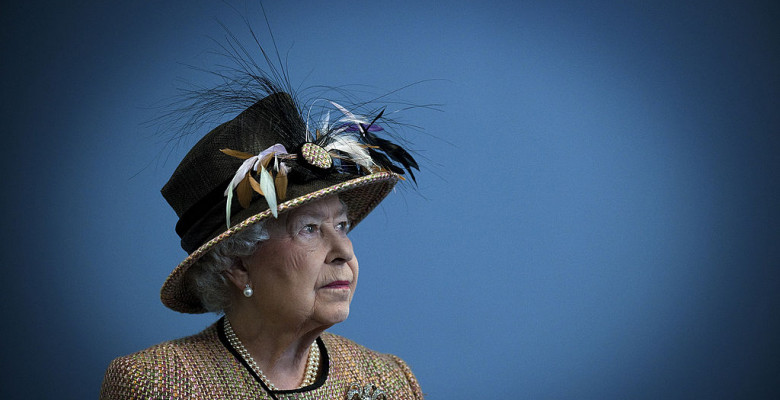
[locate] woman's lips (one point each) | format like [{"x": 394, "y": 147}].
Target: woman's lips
[{"x": 337, "y": 285}]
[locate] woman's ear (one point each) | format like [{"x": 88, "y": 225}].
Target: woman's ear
[{"x": 237, "y": 274}]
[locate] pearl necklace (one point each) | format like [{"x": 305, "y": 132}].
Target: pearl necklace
[{"x": 312, "y": 364}]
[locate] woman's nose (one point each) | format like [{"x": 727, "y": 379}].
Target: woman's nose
[{"x": 340, "y": 247}]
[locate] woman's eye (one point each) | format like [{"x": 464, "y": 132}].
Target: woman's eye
[
  {"x": 311, "y": 228},
  {"x": 343, "y": 226}
]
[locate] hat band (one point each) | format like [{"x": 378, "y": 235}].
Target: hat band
[{"x": 202, "y": 218}]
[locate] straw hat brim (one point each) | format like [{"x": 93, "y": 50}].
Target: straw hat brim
[{"x": 361, "y": 195}]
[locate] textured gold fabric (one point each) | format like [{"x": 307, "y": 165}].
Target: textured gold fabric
[{"x": 202, "y": 367}]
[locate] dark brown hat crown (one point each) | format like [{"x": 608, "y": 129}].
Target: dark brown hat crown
[{"x": 195, "y": 190}]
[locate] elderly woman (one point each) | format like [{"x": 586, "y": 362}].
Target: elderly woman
[{"x": 265, "y": 203}]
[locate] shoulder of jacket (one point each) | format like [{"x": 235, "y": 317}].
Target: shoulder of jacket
[
  {"x": 341, "y": 343},
  {"x": 171, "y": 351},
  {"x": 172, "y": 347},
  {"x": 346, "y": 349},
  {"x": 159, "y": 371}
]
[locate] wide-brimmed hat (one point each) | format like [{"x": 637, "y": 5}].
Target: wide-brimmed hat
[{"x": 269, "y": 154}]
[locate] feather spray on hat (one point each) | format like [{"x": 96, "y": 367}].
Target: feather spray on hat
[{"x": 332, "y": 138}]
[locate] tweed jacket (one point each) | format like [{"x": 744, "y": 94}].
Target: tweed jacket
[{"x": 205, "y": 366}]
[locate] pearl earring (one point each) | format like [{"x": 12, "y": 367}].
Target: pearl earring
[{"x": 248, "y": 291}]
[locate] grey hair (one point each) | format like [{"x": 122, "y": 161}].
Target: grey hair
[{"x": 206, "y": 277}]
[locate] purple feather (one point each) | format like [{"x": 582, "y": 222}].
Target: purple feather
[{"x": 355, "y": 128}]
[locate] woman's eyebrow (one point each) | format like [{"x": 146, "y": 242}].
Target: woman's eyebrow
[{"x": 320, "y": 215}]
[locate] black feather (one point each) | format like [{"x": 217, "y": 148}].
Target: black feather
[
  {"x": 384, "y": 162},
  {"x": 393, "y": 151}
]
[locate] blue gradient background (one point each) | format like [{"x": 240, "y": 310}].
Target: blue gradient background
[{"x": 598, "y": 217}]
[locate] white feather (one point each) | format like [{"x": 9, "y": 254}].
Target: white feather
[
  {"x": 325, "y": 123},
  {"x": 349, "y": 116},
  {"x": 308, "y": 113},
  {"x": 269, "y": 190},
  {"x": 356, "y": 150},
  {"x": 250, "y": 164},
  {"x": 227, "y": 207}
]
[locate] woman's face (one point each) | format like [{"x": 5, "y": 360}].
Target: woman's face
[{"x": 306, "y": 271}]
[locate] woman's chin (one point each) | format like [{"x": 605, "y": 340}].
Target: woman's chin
[{"x": 333, "y": 316}]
